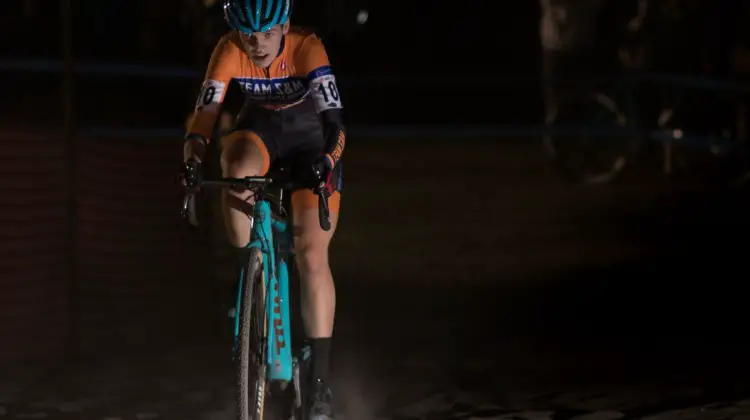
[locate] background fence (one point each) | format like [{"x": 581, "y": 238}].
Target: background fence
[
  {"x": 138, "y": 277},
  {"x": 137, "y": 269}
]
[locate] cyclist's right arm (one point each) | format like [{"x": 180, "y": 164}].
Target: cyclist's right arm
[{"x": 223, "y": 66}]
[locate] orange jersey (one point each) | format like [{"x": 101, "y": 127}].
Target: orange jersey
[{"x": 301, "y": 72}]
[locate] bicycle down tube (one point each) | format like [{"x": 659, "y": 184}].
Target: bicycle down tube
[{"x": 276, "y": 282}]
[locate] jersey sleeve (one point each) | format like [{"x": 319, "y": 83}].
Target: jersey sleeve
[
  {"x": 222, "y": 68},
  {"x": 323, "y": 87}
]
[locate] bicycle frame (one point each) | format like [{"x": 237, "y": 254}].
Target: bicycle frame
[
  {"x": 276, "y": 283},
  {"x": 280, "y": 364}
]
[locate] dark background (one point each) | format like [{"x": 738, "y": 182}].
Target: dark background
[
  {"x": 394, "y": 61},
  {"x": 462, "y": 262}
]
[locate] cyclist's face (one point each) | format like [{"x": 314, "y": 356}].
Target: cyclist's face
[{"x": 262, "y": 47}]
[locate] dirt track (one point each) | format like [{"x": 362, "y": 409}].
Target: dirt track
[{"x": 469, "y": 278}]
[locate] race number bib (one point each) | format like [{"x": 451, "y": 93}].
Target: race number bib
[
  {"x": 211, "y": 95},
  {"x": 325, "y": 93}
]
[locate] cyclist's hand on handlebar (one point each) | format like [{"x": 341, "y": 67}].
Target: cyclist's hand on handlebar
[
  {"x": 323, "y": 172},
  {"x": 190, "y": 177},
  {"x": 191, "y": 173},
  {"x": 193, "y": 149}
]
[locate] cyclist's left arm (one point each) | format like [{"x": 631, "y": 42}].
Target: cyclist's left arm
[{"x": 325, "y": 96}]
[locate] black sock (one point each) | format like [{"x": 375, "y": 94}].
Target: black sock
[
  {"x": 321, "y": 349},
  {"x": 243, "y": 256}
]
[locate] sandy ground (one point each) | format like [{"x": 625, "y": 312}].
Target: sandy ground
[{"x": 473, "y": 284}]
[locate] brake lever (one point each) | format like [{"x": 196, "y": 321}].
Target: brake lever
[
  {"x": 188, "y": 211},
  {"x": 324, "y": 214},
  {"x": 184, "y": 211},
  {"x": 191, "y": 176}
]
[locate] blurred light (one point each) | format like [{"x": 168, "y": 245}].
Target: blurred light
[{"x": 362, "y": 17}]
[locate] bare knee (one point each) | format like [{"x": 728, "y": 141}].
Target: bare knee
[
  {"x": 244, "y": 155},
  {"x": 312, "y": 260},
  {"x": 311, "y": 246},
  {"x": 240, "y": 164}
]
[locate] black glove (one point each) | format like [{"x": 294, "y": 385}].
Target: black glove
[
  {"x": 323, "y": 172},
  {"x": 191, "y": 173}
]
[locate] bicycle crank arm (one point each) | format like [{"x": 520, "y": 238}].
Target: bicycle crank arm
[{"x": 297, "y": 384}]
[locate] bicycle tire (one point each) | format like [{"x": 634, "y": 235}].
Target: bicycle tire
[
  {"x": 251, "y": 369},
  {"x": 587, "y": 158}
]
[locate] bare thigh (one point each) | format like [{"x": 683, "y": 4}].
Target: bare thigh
[{"x": 243, "y": 154}]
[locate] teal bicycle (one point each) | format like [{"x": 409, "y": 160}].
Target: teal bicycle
[{"x": 262, "y": 333}]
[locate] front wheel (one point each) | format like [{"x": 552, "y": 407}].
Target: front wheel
[{"x": 251, "y": 369}]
